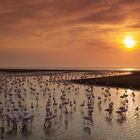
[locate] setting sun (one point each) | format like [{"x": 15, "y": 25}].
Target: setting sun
[{"x": 129, "y": 42}]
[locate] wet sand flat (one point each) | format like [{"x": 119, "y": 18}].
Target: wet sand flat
[{"x": 124, "y": 81}]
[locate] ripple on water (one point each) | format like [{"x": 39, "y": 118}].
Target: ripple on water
[{"x": 103, "y": 127}]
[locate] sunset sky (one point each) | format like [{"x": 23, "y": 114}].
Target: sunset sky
[{"x": 69, "y": 33}]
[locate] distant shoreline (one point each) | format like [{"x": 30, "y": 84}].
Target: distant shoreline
[
  {"x": 65, "y": 69},
  {"x": 131, "y": 81},
  {"x": 43, "y": 72},
  {"x": 71, "y": 68}
]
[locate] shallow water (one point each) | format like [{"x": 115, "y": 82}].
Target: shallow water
[{"x": 103, "y": 126}]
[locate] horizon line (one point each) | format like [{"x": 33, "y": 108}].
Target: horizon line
[{"x": 71, "y": 68}]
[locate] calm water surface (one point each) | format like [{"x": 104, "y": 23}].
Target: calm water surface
[{"x": 103, "y": 127}]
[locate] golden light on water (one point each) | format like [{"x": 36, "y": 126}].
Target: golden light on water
[{"x": 129, "y": 41}]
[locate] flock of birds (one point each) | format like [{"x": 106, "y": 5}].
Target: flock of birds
[{"x": 16, "y": 114}]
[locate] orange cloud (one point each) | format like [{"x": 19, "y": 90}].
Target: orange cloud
[{"x": 40, "y": 30}]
